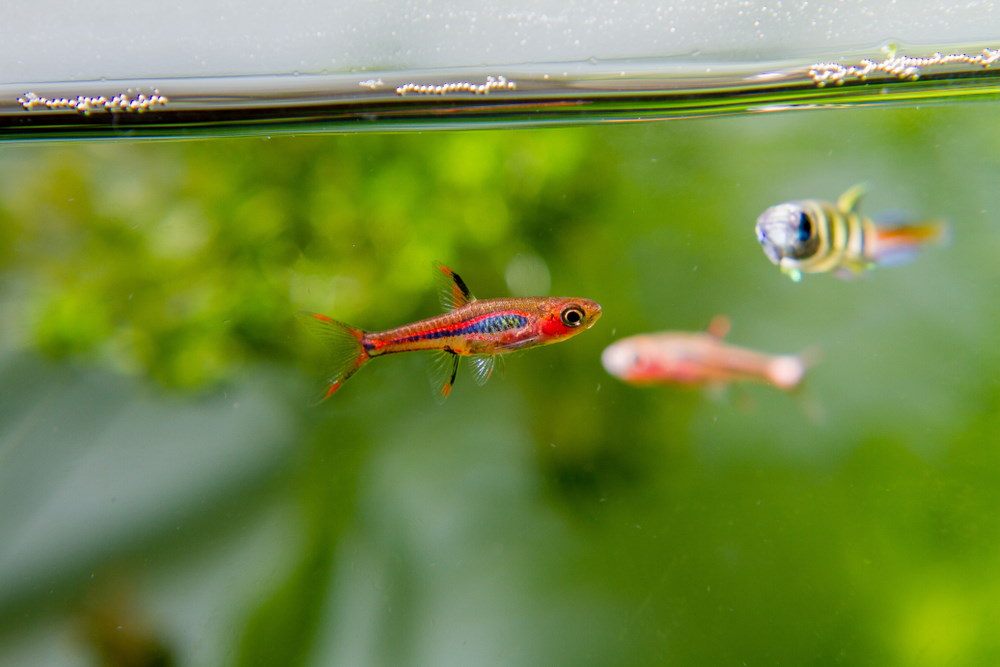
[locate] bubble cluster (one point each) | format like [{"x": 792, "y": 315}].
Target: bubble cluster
[
  {"x": 904, "y": 67},
  {"x": 127, "y": 102},
  {"x": 492, "y": 83}
]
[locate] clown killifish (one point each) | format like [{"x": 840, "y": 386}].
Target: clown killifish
[{"x": 815, "y": 236}]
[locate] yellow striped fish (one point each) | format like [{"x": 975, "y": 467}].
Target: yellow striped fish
[{"x": 814, "y": 236}]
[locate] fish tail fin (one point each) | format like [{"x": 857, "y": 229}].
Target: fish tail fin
[
  {"x": 898, "y": 244},
  {"x": 345, "y": 346},
  {"x": 788, "y": 371}
]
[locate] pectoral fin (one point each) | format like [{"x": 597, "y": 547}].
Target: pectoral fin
[{"x": 482, "y": 367}]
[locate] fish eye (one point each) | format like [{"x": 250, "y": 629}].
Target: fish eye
[
  {"x": 572, "y": 316},
  {"x": 805, "y": 229}
]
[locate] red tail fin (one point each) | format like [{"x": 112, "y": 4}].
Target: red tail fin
[
  {"x": 898, "y": 244},
  {"x": 345, "y": 344}
]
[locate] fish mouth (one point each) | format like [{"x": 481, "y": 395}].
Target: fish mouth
[
  {"x": 771, "y": 249},
  {"x": 772, "y": 252},
  {"x": 596, "y": 313},
  {"x": 781, "y": 233},
  {"x": 592, "y": 309}
]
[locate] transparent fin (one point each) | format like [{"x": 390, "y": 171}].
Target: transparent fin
[
  {"x": 345, "y": 352},
  {"x": 453, "y": 291},
  {"x": 899, "y": 244},
  {"x": 897, "y": 256},
  {"x": 482, "y": 367},
  {"x": 811, "y": 406},
  {"x": 717, "y": 392},
  {"x": 443, "y": 370},
  {"x": 743, "y": 400},
  {"x": 524, "y": 344},
  {"x": 893, "y": 217}
]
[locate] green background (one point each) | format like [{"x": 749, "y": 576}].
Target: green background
[{"x": 170, "y": 493}]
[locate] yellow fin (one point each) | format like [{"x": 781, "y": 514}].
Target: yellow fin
[{"x": 848, "y": 202}]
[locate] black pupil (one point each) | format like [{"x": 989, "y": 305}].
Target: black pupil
[
  {"x": 572, "y": 317},
  {"x": 805, "y": 227}
]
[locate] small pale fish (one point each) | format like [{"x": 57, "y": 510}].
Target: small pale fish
[
  {"x": 479, "y": 328},
  {"x": 814, "y": 236},
  {"x": 700, "y": 358}
]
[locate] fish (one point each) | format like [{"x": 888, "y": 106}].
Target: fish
[
  {"x": 481, "y": 329},
  {"x": 699, "y": 358},
  {"x": 814, "y": 236}
]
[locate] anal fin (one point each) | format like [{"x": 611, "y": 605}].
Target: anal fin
[{"x": 444, "y": 369}]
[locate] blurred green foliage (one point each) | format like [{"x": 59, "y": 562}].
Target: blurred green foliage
[
  {"x": 554, "y": 516},
  {"x": 182, "y": 261}
]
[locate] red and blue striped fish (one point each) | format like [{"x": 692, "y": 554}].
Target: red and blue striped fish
[{"x": 478, "y": 328}]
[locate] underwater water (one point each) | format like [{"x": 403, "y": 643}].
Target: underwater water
[{"x": 171, "y": 492}]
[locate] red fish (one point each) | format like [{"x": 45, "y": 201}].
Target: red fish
[
  {"x": 679, "y": 357},
  {"x": 479, "y": 328}
]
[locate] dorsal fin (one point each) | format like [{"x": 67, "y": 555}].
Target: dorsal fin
[
  {"x": 719, "y": 327},
  {"x": 848, "y": 202},
  {"x": 454, "y": 292}
]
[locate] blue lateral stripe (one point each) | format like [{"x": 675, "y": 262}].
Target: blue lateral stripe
[{"x": 487, "y": 325}]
